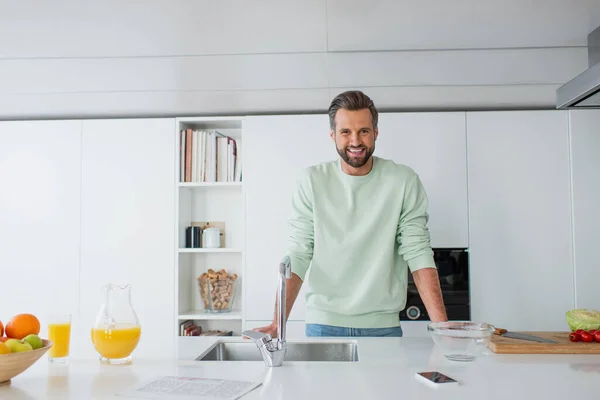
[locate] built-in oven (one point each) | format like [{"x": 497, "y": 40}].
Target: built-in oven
[{"x": 453, "y": 271}]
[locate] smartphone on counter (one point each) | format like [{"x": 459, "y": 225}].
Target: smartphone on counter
[{"x": 436, "y": 379}]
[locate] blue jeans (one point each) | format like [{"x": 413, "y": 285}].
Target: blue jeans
[{"x": 337, "y": 331}]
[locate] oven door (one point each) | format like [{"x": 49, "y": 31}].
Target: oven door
[{"x": 453, "y": 271}]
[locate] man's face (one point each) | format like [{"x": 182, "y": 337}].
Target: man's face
[{"x": 354, "y": 136}]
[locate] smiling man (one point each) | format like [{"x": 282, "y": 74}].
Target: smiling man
[{"x": 358, "y": 227}]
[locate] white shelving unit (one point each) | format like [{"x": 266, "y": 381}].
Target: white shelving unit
[{"x": 213, "y": 203}]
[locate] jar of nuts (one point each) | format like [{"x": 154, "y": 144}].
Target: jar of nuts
[{"x": 217, "y": 290}]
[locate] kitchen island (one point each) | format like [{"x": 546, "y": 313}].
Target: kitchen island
[{"x": 385, "y": 370}]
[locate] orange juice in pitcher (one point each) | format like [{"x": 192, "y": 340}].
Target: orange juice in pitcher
[
  {"x": 116, "y": 343},
  {"x": 117, "y": 331}
]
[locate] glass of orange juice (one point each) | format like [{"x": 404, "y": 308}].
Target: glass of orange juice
[{"x": 59, "y": 333}]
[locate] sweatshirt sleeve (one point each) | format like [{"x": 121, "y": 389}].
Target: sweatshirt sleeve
[
  {"x": 413, "y": 234},
  {"x": 300, "y": 242}
]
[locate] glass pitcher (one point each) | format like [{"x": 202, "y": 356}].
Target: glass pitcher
[{"x": 117, "y": 330}]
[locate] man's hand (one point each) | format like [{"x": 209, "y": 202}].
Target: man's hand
[
  {"x": 293, "y": 286},
  {"x": 270, "y": 329},
  {"x": 428, "y": 285}
]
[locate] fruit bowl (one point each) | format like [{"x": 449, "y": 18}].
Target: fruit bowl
[{"x": 13, "y": 364}]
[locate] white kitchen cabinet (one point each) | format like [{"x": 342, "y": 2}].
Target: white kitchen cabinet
[
  {"x": 40, "y": 174},
  {"x": 434, "y": 145},
  {"x": 585, "y": 161},
  {"x": 128, "y": 226},
  {"x": 521, "y": 258},
  {"x": 276, "y": 148}
]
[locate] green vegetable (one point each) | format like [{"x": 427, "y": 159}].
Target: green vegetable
[{"x": 583, "y": 319}]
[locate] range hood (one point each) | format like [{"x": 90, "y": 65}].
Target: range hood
[{"x": 583, "y": 91}]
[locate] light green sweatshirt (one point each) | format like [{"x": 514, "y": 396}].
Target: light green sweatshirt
[{"x": 359, "y": 235}]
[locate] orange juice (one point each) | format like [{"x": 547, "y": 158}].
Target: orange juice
[
  {"x": 59, "y": 335},
  {"x": 118, "y": 342}
]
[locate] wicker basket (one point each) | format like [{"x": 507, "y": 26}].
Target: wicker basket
[{"x": 13, "y": 364}]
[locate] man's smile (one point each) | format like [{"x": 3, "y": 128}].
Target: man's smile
[{"x": 356, "y": 151}]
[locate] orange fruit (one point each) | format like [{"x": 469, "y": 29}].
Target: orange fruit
[
  {"x": 22, "y": 325},
  {"x": 1, "y": 329},
  {"x": 3, "y": 339}
]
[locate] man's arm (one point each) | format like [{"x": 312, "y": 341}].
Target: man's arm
[
  {"x": 293, "y": 286},
  {"x": 415, "y": 246},
  {"x": 300, "y": 247},
  {"x": 428, "y": 285}
]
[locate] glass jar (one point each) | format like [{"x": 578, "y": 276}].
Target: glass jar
[
  {"x": 117, "y": 330},
  {"x": 217, "y": 290}
]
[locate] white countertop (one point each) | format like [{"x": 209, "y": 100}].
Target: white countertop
[{"x": 385, "y": 370}]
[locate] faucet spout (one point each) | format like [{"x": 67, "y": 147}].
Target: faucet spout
[
  {"x": 273, "y": 352},
  {"x": 285, "y": 272}
]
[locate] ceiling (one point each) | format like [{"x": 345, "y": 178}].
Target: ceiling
[{"x": 113, "y": 28}]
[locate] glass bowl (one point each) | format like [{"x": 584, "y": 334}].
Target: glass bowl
[{"x": 461, "y": 340}]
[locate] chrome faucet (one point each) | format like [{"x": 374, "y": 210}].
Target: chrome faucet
[{"x": 272, "y": 352}]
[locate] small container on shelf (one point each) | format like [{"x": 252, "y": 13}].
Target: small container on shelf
[
  {"x": 212, "y": 237},
  {"x": 193, "y": 237},
  {"x": 217, "y": 290}
]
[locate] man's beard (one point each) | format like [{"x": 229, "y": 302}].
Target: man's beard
[{"x": 354, "y": 161}]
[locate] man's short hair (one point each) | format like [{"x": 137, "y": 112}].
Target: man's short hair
[{"x": 352, "y": 100}]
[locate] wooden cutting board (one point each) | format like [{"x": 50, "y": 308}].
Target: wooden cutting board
[{"x": 504, "y": 345}]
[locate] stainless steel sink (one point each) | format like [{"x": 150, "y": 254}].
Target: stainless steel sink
[{"x": 296, "y": 351}]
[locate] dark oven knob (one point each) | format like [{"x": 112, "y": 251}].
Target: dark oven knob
[{"x": 413, "y": 312}]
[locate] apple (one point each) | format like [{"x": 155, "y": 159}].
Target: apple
[
  {"x": 4, "y": 349},
  {"x": 34, "y": 340},
  {"x": 16, "y": 346}
]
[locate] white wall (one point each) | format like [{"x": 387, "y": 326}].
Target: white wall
[
  {"x": 162, "y": 57},
  {"x": 84, "y": 204},
  {"x": 40, "y": 185},
  {"x": 520, "y": 234},
  {"x": 585, "y": 166},
  {"x": 127, "y": 218}
]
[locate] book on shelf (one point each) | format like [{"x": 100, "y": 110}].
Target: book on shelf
[
  {"x": 189, "y": 328},
  {"x": 208, "y": 156}
]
